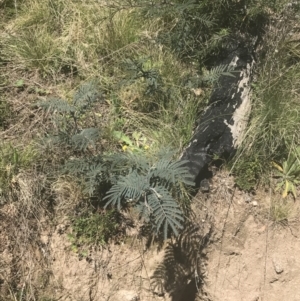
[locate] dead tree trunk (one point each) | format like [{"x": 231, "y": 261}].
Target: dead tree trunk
[{"x": 222, "y": 125}]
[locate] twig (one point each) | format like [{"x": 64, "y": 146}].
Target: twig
[{"x": 266, "y": 249}]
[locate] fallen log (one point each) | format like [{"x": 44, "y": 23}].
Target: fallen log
[{"x": 223, "y": 123}]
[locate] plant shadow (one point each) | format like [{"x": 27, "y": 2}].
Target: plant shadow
[{"x": 181, "y": 272}]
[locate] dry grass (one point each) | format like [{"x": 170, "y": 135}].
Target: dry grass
[
  {"x": 24, "y": 266},
  {"x": 282, "y": 211},
  {"x": 68, "y": 37},
  {"x": 68, "y": 194},
  {"x": 273, "y": 131},
  {"x": 48, "y": 49},
  {"x": 54, "y": 46}
]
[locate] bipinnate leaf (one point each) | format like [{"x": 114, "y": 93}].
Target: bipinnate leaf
[
  {"x": 128, "y": 188},
  {"x": 165, "y": 211}
]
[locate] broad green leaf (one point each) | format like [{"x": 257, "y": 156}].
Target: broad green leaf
[
  {"x": 286, "y": 189},
  {"x": 277, "y": 166},
  {"x": 122, "y": 137}
]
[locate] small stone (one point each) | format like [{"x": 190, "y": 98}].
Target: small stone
[
  {"x": 254, "y": 203},
  {"x": 277, "y": 267},
  {"x": 247, "y": 198}
]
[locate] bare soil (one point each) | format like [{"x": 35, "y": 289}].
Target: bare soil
[
  {"x": 252, "y": 257},
  {"x": 233, "y": 249}
]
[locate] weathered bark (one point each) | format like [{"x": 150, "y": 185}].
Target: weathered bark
[{"x": 223, "y": 123}]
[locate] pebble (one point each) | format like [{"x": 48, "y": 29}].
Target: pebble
[
  {"x": 247, "y": 198},
  {"x": 277, "y": 266}
]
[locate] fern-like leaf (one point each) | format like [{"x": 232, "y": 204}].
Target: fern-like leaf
[
  {"x": 93, "y": 178},
  {"x": 77, "y": 166},
  {"x": 124, "y": 163},
  {"x": 214, "y": 74},
  {"x": 86, "y": 137},
  {"x": 205, "y": 20},
  {"x": 86, "y": 95},
  {"x": 56, "y": 104},
  {"x": 129, "y": 188},
  {"x": 165, "y": 211},
  {"x": 173, "y": 172}
]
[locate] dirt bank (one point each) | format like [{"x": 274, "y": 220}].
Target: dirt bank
[{"x": 237, "y": 247}]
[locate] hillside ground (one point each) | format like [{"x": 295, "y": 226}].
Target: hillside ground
[
  {"x": 149, "y": 71},
  {"x": 246, "y": 249}
]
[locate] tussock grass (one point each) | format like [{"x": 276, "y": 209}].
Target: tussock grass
[
  {"x": 273, "y": 131},
  {"x": 68, "y": 195},
  {"x": 12, "y": 161},
  {"x": 88, "y": 40},
  {"x": 281, "y": 211},
  {"x": 53, "y": 37}
]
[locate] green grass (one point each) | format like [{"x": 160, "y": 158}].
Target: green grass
[
  {"x": 84, "y": 41},
  {"x": 276, "y": 112},
  {"x": 49, "y": 48},
  {"x": 65, "y": 43},
  {"x": 94, "y": 229},
  {"x": 281, "y": 211},
  {"x": 52, "y": 37},
  {"x": 12, "y": 160},
  {"x": 273, "y": 132}
]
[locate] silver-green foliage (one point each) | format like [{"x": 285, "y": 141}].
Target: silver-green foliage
[
  {"x": 153, "y": 185},
  {"x": 67, "y": 117}
]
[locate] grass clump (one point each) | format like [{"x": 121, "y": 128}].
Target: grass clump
[
  {"x": 12, "y": 160},
  {"x": 5, "y": 113},
  {"x": 94, "y": 229},
  {"x": 273, "y": 133},
  {"x": 246, "y": 172},
  {"x": 37, "y": 50},
  {"x": 161, "y": 107},
  {"x": 281, "y": 211},
  {"x": 68, "y": 37}
]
